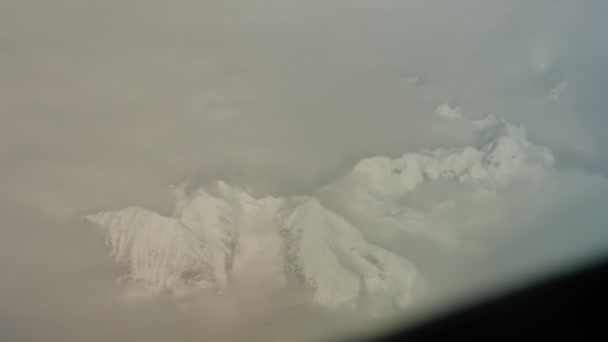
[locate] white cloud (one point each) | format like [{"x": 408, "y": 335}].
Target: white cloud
[{"x": 104, "y": 105}]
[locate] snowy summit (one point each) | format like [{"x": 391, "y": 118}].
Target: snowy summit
[
  {"x": 218, "y": 236},
  {"x": 212, "y": 239}
]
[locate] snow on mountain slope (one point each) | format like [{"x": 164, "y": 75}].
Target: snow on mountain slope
[
  {"x": 215, "y": 238},
  {"x": 389, "y": 192},
  {"x": 224, "y": 235},
  {"x": 501, "y": 152},
  {"x": 332, "y": 257}
]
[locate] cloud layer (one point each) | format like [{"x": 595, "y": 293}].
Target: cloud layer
[{"x": 105, "y": 105}]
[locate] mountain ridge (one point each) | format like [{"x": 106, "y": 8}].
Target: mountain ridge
[{"x": 214, "y": 237}]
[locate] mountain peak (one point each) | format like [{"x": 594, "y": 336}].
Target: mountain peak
[
  {"x": 220, "y": 234},
  {"x": 214, "y": 238},
  {"x": 378, "y": 188}
]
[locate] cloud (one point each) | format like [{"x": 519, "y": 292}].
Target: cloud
[{"x": 105, "y": 105}]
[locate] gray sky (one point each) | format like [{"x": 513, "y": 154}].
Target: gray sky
[{"x": 105, "y": 104}]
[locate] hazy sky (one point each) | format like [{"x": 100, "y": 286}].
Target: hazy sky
[{"x": 104, "y": 104}]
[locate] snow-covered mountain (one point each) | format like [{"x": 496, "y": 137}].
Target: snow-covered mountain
[
  {"x": 218, "y": 235},
  {"x": 501, "y": 152},
  {"x": 399, "y": 192},
  {"x": 213, "y": 238}
]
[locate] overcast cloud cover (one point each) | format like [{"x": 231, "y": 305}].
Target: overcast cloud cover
[{"x": 105, "y": 105}]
